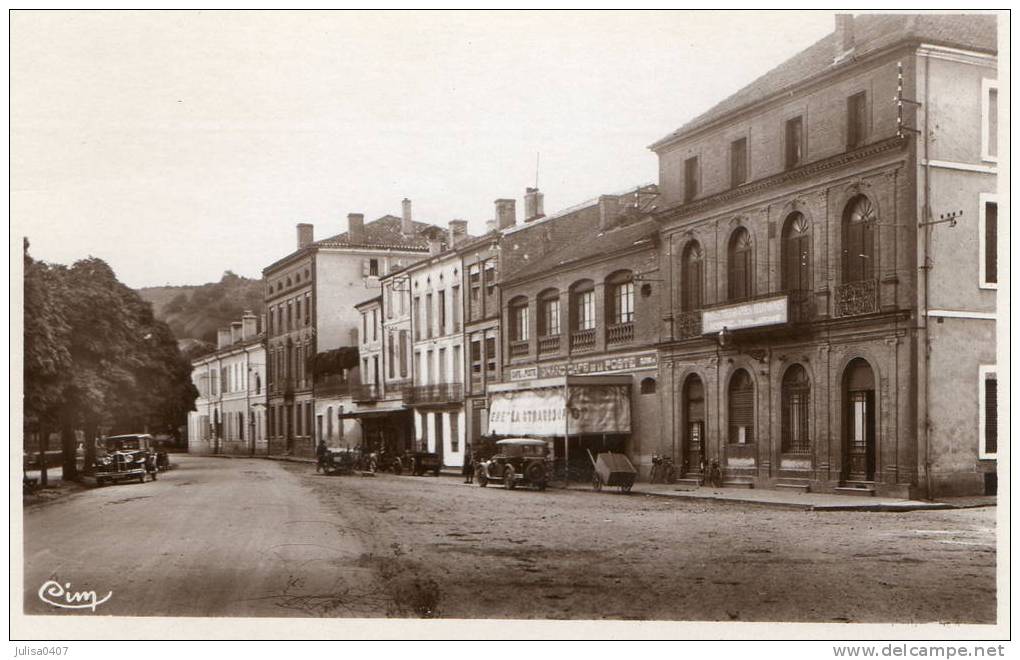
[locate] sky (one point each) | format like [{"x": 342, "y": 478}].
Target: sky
[{"x": 179, "y": 145}]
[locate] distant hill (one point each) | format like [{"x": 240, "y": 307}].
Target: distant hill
[{"x": 195, "y": 313}]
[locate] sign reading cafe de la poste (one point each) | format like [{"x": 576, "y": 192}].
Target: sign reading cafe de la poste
[{"x": 587, "y": 367}]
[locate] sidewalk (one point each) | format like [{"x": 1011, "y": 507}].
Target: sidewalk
[{"x": 761, "y": 496}]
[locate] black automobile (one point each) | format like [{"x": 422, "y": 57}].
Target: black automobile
[
  {"x": 125, "y": 457},
  {"x": 517, "y": 461}
]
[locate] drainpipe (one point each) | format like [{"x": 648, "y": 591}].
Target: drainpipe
[{"x": 927, "y": 268}]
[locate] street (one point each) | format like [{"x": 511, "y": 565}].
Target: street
[{"x": 252, "y": 537}]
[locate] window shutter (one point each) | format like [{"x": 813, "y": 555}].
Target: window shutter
[
  {"x": 991, "y": 241},
  {"x": 991, "y": 415}
]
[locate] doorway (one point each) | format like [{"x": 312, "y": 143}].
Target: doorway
[
  {"x": 859, "y": 422},
  {"x": 693, "y": 450}
]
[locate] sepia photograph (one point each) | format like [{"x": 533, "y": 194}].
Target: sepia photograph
[{"x": 358, "y": 324}]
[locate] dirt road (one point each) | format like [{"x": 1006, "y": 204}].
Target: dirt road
[{"x": 258, "y": 538}]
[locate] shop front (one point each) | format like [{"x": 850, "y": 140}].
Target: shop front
[{"x": 574, "y": 414}]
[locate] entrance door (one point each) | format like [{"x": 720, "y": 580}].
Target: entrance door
[
  {"x": 859, "y": 430},
  {"x": 439, "y": 433},
  {"x": 693, "y": 450}
]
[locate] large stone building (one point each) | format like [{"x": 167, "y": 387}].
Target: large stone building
[
  {"x": 829, "y": 249},
  {"x": 230, "y": 412},
  {"x": 310, "y": 303}
]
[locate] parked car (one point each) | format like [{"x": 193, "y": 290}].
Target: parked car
[
  {"x": 517, "y": 461},
  {"x": 420, "y": 462},
  {"x": 125, "y": 457}
]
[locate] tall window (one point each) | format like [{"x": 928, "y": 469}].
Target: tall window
[
  {"x": 988, "y": 412},
  {"x": 490, "y": 357},
  {"x": 391, "y": 355},
  {"x": 741, "y": 408},
  {"x": 690, "y": 178},
  {"x": 858, "y": 240},
  {"x": 417, "y": 318},
  {"x": 583, "y": 303},
  {"x": 796, "y": 398},
  {"x": 364, "y": 327},
  {"x": 549, "y": 313},
  {"x": 989, "y": 120},
  {"x": 739, "y": 271},
  {"x": 455, "y": 304},
  {"x": 475, "y": 293},
  {"x": 375, "y": 325},
  {"x": 738, "y": 162},
  {"x": 796, "y": 253},
  {"x": 442, "y": 313},
  {"x": 519, "y": 320},
  {"x": 403, "y": 353},
  {"x": 988, "y": 238},
  {"x": 428, "y": 316},
  {"x": 692, "y": 286},
  {"x": 856, "y": 120},
  {"x": 621, "y": 298},
  {"x": 476, "y": 359},
  {"x": 458, "y": 367},
  {"x": 441, "y": 366},
  {"x": 794, "y": 144},
  {"x": 373, "y": 267}
]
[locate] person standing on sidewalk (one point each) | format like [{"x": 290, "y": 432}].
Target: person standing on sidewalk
[{"x": 469, "y": 466}]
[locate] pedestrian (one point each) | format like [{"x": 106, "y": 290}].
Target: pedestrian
[
  {"x": 469, "y": 468},
  {"x": 320, "y": 454}
]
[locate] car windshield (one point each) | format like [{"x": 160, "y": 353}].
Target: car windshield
[
  {"x": 533, "y": 450},
  {"x": 122, "y": 444}
]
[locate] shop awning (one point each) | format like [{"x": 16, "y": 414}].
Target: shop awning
[{"x": 564, "y": 406}]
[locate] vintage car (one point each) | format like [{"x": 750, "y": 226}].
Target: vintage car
[
  {"x": 125, "y": 457},
  {"x": 517, "y": 461},
  {"x": 420, "y": 462}
]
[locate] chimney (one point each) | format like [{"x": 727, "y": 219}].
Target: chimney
[
  {"x": 305, "y": 234},
  {"x": 248, "y": 325},
  {"x": 235, "y": 332},
  {"x": 490, "y": 226},
  {"x": 355, "y": 227},
  {"x": 609, "y": 209},
  {"x": 533, "y": 204},
  {"x": 844, "y": 36},
  {"x": 406, "y": 223},
  {"x": 458, "y": 231},
  {"x": 435, "y": 245},
  {"x": 222, "y": 338},
  {"x": 506, "y": 213}
]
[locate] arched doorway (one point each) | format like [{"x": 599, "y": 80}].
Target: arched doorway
[
  {"x": 693, "y": 449},
  {"x": 859, "y": 421}
]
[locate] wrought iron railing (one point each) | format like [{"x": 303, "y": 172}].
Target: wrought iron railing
[
  {"x": 688, "y": 324},
  {"x": 582, "y": 341},
  {"x": 437, "y": 393},
  {"x": 855, "y": 298},
  {"x": 518, "y": 348},
  {"x": 549, "y": 344},
  {"x": 620, "y": 333}
]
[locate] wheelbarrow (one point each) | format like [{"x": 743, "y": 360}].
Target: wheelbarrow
[{"x": 612, "y": 469}]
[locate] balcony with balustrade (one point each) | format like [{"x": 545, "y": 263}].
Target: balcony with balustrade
[
  {"x": 582, "y": 341},
  {"x": 332, "y": 385},
  {"x": 435, "y": 394},
  {"x": 549, "y": 345},
  {"x": 619, "y": 334},
  {"x": 367, "y": 393},
  {"x": 518, "y": 348}
]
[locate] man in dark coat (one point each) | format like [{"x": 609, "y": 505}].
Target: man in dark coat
[{"x": 469, "y": 466}]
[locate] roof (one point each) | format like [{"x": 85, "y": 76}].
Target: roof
[
  {"x": 385, "y": 233},
  {"x": 584, "y": 245},
  {"x": 369, "y": 302},
  {"x": 872, "y": 33},
  {"x": 380, "y": 234}
]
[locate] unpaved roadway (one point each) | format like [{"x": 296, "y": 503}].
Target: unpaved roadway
[{"x": 258, "y": 538}]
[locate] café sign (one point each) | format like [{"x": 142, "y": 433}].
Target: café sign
[
  {"x": 587, "y": 367},
  {"x": 768, "y": 311}
]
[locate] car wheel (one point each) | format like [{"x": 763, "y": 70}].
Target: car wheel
[
  {"x": 483, "y": 479},
  {"x": 509, "y": 481},
  {"x": 535, "y": 473}
]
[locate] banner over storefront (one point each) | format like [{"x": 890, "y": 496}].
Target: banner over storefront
[{"x": 543, "y": 412}]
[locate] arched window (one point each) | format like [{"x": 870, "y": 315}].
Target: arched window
[
  {"x": 693, "y": 278},
  {"x": 796, "y": 398},
  {"x": 620, "y": 297},
  {"x": 549, "y": 313},
  {"x": 519, "y": 322},
  {"x": 739, "y": 265},
  {"x": 582, "y": 306},
  {"x": 741, "y": 408},
  {"x": 858, "y": 240},
  {"x": 648, "y": 386},
  {"x": 796, "y": 253}
]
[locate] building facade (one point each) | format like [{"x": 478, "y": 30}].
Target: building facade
[
  {"x": 310, "y": 302},
  {"x": 817, "y": 331},
  {"x": 230, "y": 412}
]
